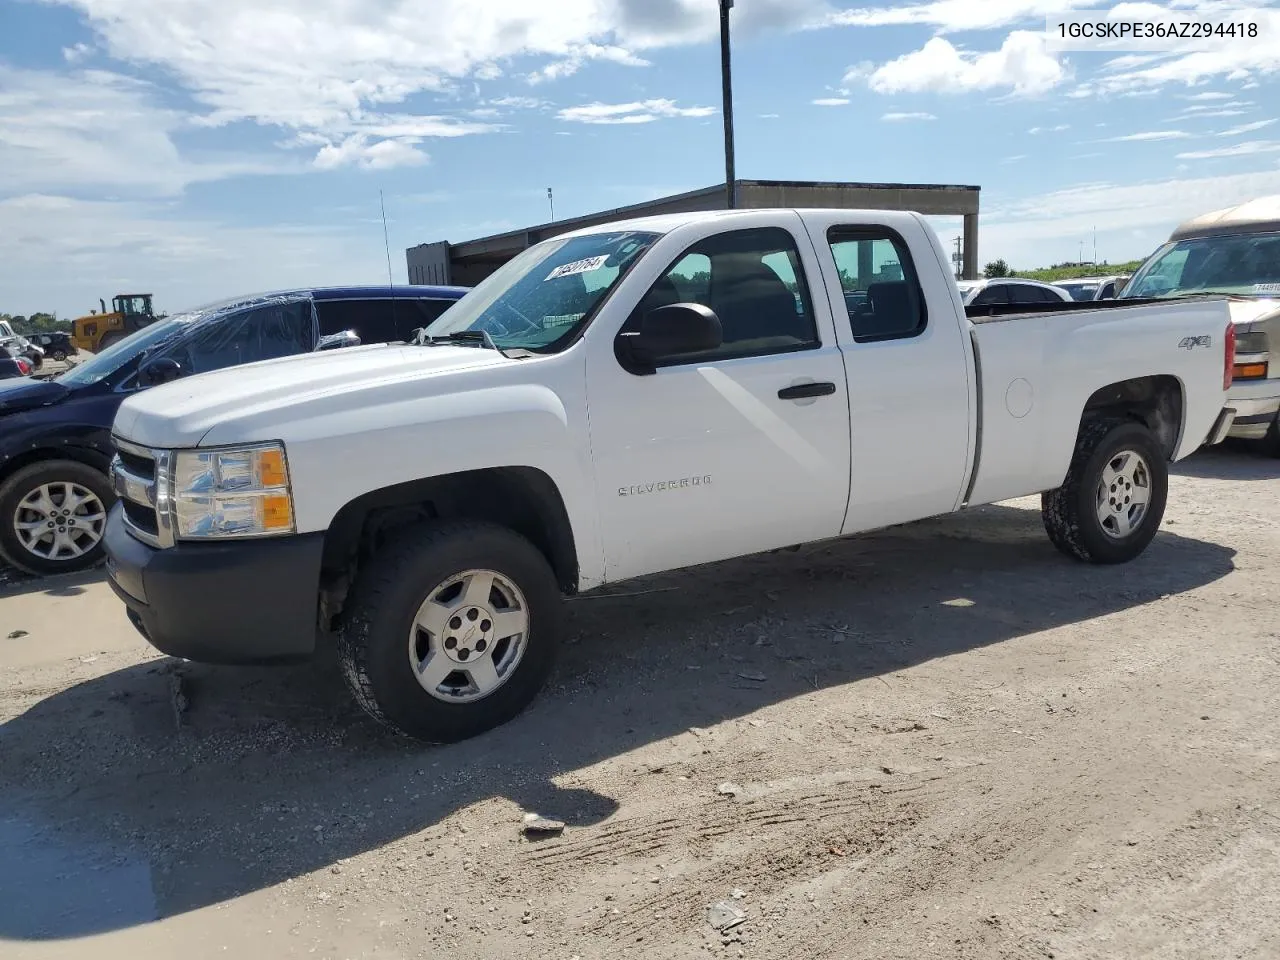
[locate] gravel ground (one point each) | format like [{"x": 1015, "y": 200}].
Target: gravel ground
[{"x": 944, "y": 740}]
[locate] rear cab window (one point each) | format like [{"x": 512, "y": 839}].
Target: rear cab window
[{"x": 882, "y": 291}]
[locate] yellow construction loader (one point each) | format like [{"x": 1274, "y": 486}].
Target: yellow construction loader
[{"x": 129, "y": 312}]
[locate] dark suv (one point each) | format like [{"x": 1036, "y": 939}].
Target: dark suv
[
  {"x": 56, "y": 346},
  {"x": 55, "y": 435}
]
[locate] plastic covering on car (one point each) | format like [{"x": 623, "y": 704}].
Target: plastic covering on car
[{"x": 246, "y": 331}]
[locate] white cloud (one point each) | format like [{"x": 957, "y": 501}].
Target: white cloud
[
  {"x": 902, "y": 117},
  {"x": 97, "y": 129},
  {"x": 1241, "y": 61},
  {"x": 1247, "y": 149},
  {"x": 63, "y": 254},
  {"x": 1075, "y": 211},
  {"x": 955, "y": 15},
  {"x": 315, "y": 65},
  {"x": 1149, "y": 135},
  {"x": 770, "y": 116},
  {"x": 1021, "y": 65},
  {"x": 644, "y": 111},
  {"x": 518, "y": 103},
  {"x": 1057, "y": 129},
  {"x": 1208, "y": 96},
  {"x": 830, "y": 102},
  {"x": 1246, "y": 128},
  {"x": 76, "y": 53},
  {"x": 358, "y": 150},
  {"x": 1015, "y": 158}
]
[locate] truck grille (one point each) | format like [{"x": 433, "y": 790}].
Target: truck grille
[{"x": 140, "y": 477}]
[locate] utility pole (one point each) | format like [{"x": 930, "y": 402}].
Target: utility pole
[
  {"x": 1095, "y": 245},
  {"x": 958, "y": 259},
  {"x": 726, "y": 83},
  {"x": 551, "y": 200}
]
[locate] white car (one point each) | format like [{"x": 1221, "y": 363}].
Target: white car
[
  {"x": 1233, "y": 253},
  {"x": 1093, "y": 288},
  {"x": 621, "y": 400},
  {"x": 998, "y": 291}
]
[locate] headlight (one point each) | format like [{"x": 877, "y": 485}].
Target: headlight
[{"x": 232, "y": 492}]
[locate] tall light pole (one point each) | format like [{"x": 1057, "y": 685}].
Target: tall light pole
[{"x": 726, "y": 82}]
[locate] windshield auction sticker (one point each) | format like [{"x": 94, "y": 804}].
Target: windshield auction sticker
[
  {"x": 578, "y": 266},
  {"x": 1151, "y": 27}
]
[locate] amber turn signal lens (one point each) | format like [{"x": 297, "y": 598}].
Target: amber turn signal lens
[
  {"x": 271, "y": 471},
  {"x": 1249, "y": 371},
  {"x": 277, "y": 514}
]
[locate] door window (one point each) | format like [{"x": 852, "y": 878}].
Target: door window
[
  {"x": 755, "y": 283},
  {"x": 881, "y": 291},
  {"x": 260, "y": 333},
  {"x": 375, "y": 321}
]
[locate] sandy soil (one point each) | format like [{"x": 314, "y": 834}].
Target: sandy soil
[{"x": 941, "y": 741}]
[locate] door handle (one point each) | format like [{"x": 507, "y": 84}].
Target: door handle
[{"x": 800, "y": 391}]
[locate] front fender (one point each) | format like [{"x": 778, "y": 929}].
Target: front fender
[{"x": 342, "y": 454}]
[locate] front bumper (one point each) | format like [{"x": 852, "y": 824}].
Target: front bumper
[
  {"x": 238, "y": 602},
  {"x": 1256, "y": 405}
]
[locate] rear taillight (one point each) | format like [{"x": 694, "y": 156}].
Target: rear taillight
[
  {"x": 24, "y": 367},
  {"x": 1229, "y": 357}
]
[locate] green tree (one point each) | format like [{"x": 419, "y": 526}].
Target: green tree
[{"x": 996, "y": 268}]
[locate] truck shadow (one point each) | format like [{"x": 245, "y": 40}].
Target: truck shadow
[
  {"x": 162, "y": 788},
  {"x": 1230, "y": 460}
]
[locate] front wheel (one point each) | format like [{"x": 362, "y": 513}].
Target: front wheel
[
  {"x": 52, "y": 517},
  {"x": 451, "y": 630},
  {"x": 59, "y": 356},
  {"x": 1111, "y": 503}
]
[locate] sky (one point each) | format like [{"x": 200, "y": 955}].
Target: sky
[{"x": 200, "y": 149}]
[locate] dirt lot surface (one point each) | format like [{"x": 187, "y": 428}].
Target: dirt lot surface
[{"x": 944, "y": 740}]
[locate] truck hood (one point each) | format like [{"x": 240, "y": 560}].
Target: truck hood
[
  {"x": 23, "y": 393},
  {"x": 179, "y": 414}
]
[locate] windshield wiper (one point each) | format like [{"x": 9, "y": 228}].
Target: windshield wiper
[{"x": 478, "y": 337}]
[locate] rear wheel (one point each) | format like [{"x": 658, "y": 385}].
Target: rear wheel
[
  {"x": 450, "y": 630},
  {"x": 52, "y": 517},
  {"x": 59, "y": 355},
  {"x": 1271, "y": 442},
  {"x": 1111, "y": 503}
]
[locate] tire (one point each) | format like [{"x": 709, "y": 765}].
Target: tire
[
  {"x": 379, "y": 639},
  {"x": 1270, "y": 444},
  {"x": 82, "y": 530},
  {"x": 59, "y": 355},
  {"x": 1071, "y": 513}
]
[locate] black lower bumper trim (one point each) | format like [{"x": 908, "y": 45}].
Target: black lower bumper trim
[{"x": 241, "y": 602}]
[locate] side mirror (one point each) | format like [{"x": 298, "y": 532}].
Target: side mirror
[
  {"x": 336, "y": 341},
  {"x": 159, "y": 370},
  {"x": 668, "y": 332}
]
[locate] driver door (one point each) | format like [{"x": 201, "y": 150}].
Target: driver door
[{"x": 729, "y": 451}]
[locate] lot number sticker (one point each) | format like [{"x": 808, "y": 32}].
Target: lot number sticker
[{"x": 578, "y": 266}]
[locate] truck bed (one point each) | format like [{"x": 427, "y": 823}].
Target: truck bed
[
  {"x": 1037, "y": 375},
  {"x": 988, "y": 313}
]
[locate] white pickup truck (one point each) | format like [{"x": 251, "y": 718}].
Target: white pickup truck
[{"x": 625, "y": 399}]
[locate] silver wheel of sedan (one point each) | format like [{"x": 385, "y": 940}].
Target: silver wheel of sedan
[
  {"x": 60, "y": 521},
  {"x": 468, "y": 636}
]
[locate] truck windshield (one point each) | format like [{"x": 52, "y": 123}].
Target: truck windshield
[
  {"x": 1240, "y": 264},
  {"x": 540, "y": 299}
]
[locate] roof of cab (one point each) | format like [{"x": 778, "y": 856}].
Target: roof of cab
[
  {"x": 385, "y": 291},
  {"x": 663, "y": 223},
  {"x": 1261, "y": 215}
]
